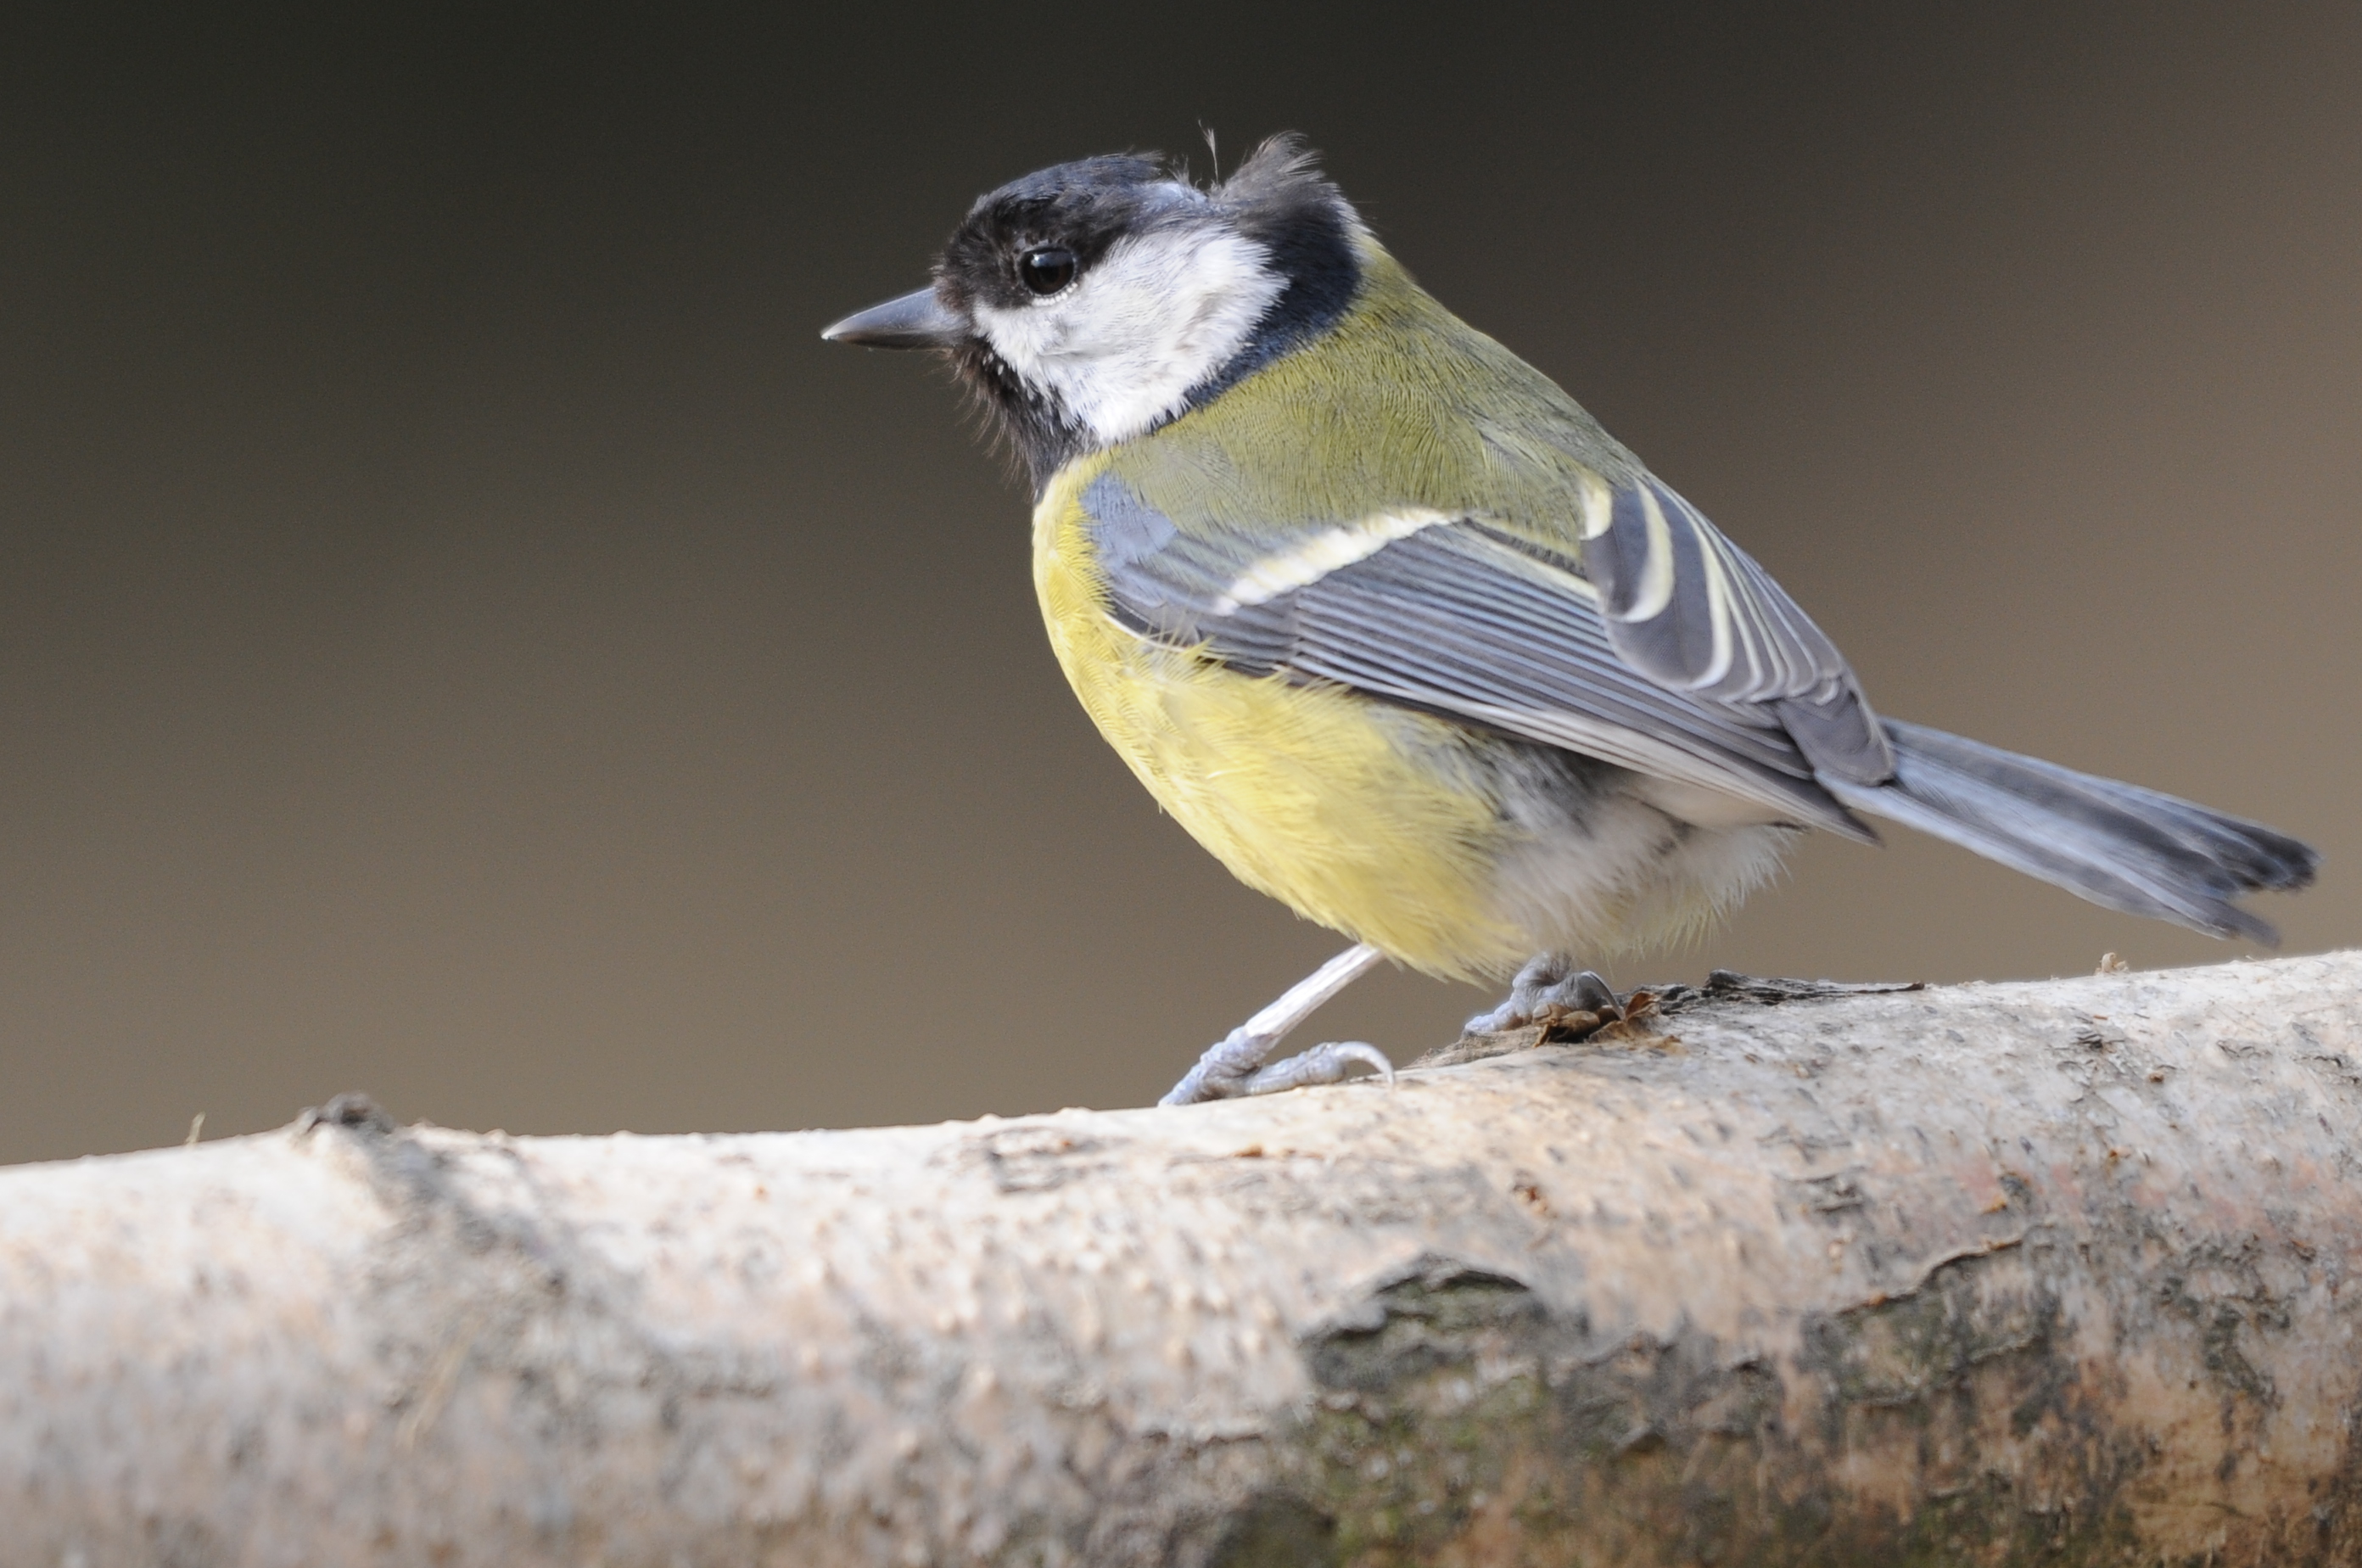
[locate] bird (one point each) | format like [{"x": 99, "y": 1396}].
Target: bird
[{"x": 1403, "y": 636}]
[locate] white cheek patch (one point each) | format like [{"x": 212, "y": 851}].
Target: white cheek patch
[{"x": 1151, "y": 319}]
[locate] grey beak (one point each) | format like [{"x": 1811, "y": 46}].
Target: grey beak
[{"x": 914, "y": 321}]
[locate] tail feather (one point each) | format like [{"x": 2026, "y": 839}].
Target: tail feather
[{"x": 2114, "y": 843}]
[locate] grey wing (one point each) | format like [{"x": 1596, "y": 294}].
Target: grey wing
[
  {"x": 1696, "y": 613},
  {"x": 1448, "y": 614}
]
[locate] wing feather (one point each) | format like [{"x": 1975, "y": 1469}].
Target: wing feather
[
  {"x": 1694, "y": 612},
  {"x": 1452, "y": 616}
]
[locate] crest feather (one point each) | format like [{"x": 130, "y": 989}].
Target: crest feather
[{"x": 1282, "y": 175}]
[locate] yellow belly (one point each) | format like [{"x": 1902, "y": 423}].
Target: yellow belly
[{"x": 1371, "y": 820}]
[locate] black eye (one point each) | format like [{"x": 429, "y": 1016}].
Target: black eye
[{"x": 1048, "y": 270}]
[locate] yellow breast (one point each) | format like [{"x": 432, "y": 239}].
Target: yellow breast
[{"x": 1371, "y": 820}]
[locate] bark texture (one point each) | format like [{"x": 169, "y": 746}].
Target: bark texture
[{"x": 2049, "y": 1273}]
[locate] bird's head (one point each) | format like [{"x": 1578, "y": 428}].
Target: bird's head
[{"x": 1092, "y": 302}]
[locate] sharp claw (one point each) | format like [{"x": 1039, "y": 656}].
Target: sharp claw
[
  {"x": 1592, "y": 994},
  {"x": 1371, "y": 1058},
  {"x": 1321, "y": 1065}
]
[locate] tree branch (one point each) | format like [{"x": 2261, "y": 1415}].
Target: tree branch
[{"x": 1993, "y": 1274}]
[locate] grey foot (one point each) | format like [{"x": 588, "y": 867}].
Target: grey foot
[
  {"x": 1235, "y": 1067},
  {"x": 1547, "y": 987}
]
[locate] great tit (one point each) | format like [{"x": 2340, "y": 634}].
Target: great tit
[{"x": 1410, "y": 642}]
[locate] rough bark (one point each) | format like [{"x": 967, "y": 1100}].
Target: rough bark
[{"x": 2050, "y": 1273}]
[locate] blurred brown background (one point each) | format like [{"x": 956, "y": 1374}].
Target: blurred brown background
[{"x": 463, "y": 635}]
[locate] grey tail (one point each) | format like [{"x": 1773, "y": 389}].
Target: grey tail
[{"x": 2116, "y": 844}]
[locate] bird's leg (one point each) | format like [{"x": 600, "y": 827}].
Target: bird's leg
[
  {"x": 1235, "y": 1066},
  {"x": 1548, "y": 984}
]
